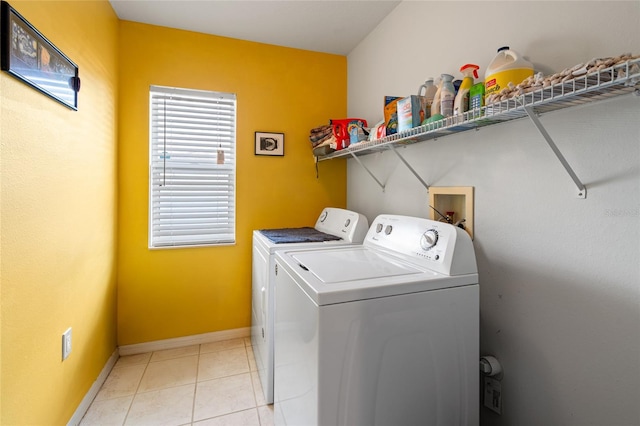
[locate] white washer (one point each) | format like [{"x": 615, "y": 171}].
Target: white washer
[
  {"x": 334, "y": 227},
  {"x": 385, "y": 333}
]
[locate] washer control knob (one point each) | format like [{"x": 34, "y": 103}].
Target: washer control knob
[
  {"x": 379, "y": 228},
  {"x": 388, "y": 229},
  {"x": 323, "y": 216},
  {"x": 347, "y": 223},
  {"x": 429, "y": 239}
]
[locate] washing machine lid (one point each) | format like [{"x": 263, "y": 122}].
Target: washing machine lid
[
  {"x": 334, "y": 226},
  {"x": 332, "y": 267},
  {"x": 352, "y": 273},
  {"x": 297, "y": 235},
  {"x": 261, "y": 240}
]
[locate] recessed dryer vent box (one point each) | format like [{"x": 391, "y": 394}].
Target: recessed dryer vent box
[{"x": 457, "y": 200}]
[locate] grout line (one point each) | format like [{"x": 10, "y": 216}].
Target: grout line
[
  {"x": 137, "y": 388},
  {"x": 253, "y": 388},
  {"x": 195, "y": 388}
]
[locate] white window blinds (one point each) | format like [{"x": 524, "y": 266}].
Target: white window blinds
[{"x": 191, "y": 167}]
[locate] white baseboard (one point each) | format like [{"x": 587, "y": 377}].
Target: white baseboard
[
  {"x": 178, "y": 342},
  {"x": 93, "y": 391}
]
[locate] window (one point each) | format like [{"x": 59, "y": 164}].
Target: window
[{"x": 191, "y": 167}]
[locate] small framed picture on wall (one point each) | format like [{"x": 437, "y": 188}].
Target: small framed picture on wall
[{"x": 269, "y": 144}]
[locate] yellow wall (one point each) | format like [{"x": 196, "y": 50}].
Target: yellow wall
[
  {"x": 58, "y": 220},
  {"x": 179, "y": 292}
]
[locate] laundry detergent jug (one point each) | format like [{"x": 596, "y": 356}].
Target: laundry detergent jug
[
  {"x": 447, "y": 95},
  {"x": 430, "y": 90},
  {"x": 507, "y": 67}
]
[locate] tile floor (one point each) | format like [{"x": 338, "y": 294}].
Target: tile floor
[{"x": 213, "y": 384}]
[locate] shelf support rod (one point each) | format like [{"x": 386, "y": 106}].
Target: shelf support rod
[
  {"x": 355, "y": 157},
  {"x": 409, "y": 167},
  {"x": 582, "y": 190}
]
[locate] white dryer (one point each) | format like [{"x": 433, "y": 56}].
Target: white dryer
[
  {"x": 334, "y": 227},
  {"x": 385, "y": 333}
]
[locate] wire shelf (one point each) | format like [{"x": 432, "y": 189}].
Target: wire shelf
[{"x": 617, "y": 80}]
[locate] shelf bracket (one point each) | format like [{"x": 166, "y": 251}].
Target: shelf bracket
[
  {"x": 355, "y": 157},
  {"x": 409, "y": 167},
  {"x": 582, "y": 190}
]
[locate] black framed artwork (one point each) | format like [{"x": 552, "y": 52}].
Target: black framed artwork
[
  {"x": 27, "y": 55},
  {"x": 269, "y": 144}
]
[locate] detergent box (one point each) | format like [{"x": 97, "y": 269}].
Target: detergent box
[
  {"x": 391, "y": 114},
  {"x": 412, "y": 111}
]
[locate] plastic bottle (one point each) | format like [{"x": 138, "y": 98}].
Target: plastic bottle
[
  {"x": 476, "y": 96},
  {"x": 430, "y": 90},
  {"x": 447, "y": 95},
  {"x": 461, "y": 102},
  {"x": 508, "y": 66},
  {"x": 435, "y": 106}
]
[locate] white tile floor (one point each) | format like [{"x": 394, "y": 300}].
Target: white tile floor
[{"x": 213, "y": 384}]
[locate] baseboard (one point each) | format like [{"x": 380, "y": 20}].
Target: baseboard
[
  {"x": 178, "y": 342},
  {"x": 93, "y": 391}
]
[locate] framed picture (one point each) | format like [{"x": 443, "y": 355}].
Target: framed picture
[
  {"x": 29, "y": 56},
  {"x": 270, "y": 144}
]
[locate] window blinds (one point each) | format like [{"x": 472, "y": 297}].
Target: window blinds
[{"x": 192, "y": 167}]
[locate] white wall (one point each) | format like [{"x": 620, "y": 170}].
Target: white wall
[{"x": 559, "y": 275}]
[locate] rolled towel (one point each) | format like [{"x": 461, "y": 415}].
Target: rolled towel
[
  {"x": 320, "y": 141},
  {"x": 318, "y": 135},
  {"x": 320, "y": 129}
]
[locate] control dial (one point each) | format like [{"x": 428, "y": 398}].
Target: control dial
[
  {"x": 429, "y": 239},
  {"x": 323, "y": 216}
]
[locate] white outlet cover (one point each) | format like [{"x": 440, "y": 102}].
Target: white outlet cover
[{"x": 66, "y": 344}]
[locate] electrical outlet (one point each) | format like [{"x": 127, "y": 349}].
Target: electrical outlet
[
  {"x": 66, "y": 344},
  {"x": 492, "y": 394}
]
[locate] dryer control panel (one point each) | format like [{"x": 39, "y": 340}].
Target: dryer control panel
[
  {"x": 439, "y": 246},
  {"x": 349, "y": 225}
]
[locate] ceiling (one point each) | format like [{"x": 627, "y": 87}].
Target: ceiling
[{"x": 319, "y": 25}]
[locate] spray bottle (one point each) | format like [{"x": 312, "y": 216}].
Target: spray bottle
[{"x": 461, "y": 103}]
